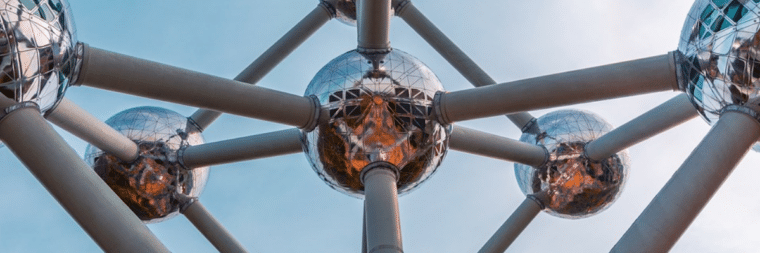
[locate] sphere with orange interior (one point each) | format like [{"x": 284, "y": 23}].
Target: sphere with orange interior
[
  {"x": 380, "y": 109},
  {"x": 154, "y": 184},
  {"x": 575, "y": 186}
]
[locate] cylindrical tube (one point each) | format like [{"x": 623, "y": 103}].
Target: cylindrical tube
[
  {"x": 455, "y": 56},
  {"x": 663, "y": 117},
  {"x": 92, "y": 204},
  {"x": 444, "y": 46},
  {"x": 611, "y": 81},
  {"x": 79, "y": 122},
  {"x": 381, "y": 207},
  {"x": 121, "y": 73},
  {"x": 211, "y": 228},
  {"x": 491, "y": 145},
  {"x": 257, "y": 146},
  {"x": 673, "y": 209},
  {"x": 273, "y": 56},
  {"x": 285, "y": 45},
  {"x": 204, "y": 117},
  {"x": 515, "y": 224},
  {"x": 364, "y": 231},
  {"x": 373, "y": 23}
]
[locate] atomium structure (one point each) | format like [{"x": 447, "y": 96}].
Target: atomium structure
[{"x": 374, "y": 123}]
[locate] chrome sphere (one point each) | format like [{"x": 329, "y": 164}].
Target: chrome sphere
[
  {"x": 345, "y": 10},
  {"x": 150, "y": 185},
  {"x": 37, "y": 51},
  {"x": 380, "y": 110},
  {"x": 719, "y": 55},
  {"x": 576, "y": 186}
]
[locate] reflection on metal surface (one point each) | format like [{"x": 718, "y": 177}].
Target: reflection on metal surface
[
  {"x": 576, "y": 186},
  {"x": 380, "y": 109},
  {"x": 719, "y": 61},
  {"x": 150, "y": 185},
  {"x": 345, "y": 10},
  {"x": 37, "y": 51}
]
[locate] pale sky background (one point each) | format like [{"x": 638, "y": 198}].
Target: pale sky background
[{"x": 280, "y": 205}]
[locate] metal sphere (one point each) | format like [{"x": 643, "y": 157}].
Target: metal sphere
[
  {"x": 345, "y": 10},
  {"x": 380, "y": 110},
  {"x": 719, "y": 55},
  {"x": 576, "y": 186},
  {"x": 37, "y": 51},
  {"x": 151, "y": 185}
]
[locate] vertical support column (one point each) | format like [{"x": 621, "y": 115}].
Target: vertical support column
[
  {"x": 381, "y": 208},
  {"x": 80, "y": 191},
  {"x": 373, "y": 24},
  {"x": 515, "y": 224},
  {"x": 211, "y": 228},
  {"x": 682, "y": 198},
  {"x": 364, "y": 230}
]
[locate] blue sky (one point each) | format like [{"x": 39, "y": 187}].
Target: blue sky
[{"x": 280, "y": 205}]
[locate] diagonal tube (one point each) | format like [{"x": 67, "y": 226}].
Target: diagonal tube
[
  {"x": 679, "y": 202},
  {"x": 373, "y": 21},
  {"x": 635, "y": 77},
  {"x": 92, "y": 204},
  {"x": 273, "y": 56},
  {"x": 661, "y": 118},
  {"x": 494, "y": 146},
  {"x": 282, "y": 142},
  {"x": 79, "y": 122},
  {"x": 455, "y": 56},
  {"x": 514, "y": 225},
  {"x": 126, "y": 74},
  {"x": 211, "y": 228}
]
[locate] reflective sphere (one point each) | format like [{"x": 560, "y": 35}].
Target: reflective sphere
[
  {"x": 380, "y": 109},
  {"x": 37, "y": 51},
  {"x": 151, "y": 184},
  {"x": 345, "y": 11},
  {"x": 719, "y": 55},
  {"x": 576, "y": 186}
]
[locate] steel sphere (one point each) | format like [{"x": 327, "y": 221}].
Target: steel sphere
[
  {"x": 380, "y": 110},
  {"x": 37, "y": 51},
  {"x": 576, "y": 186},
  {"x": 345, "y": 10},
  {"x": 719, "y": 55},
  {"x": 150, "y": 185}
]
